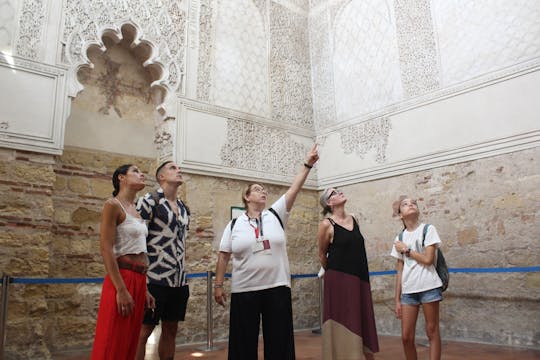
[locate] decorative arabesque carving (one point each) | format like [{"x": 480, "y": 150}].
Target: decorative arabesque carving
[
  {"x": 417, "y": 47},
  {"x": 253, "y": 146},
  {"x": 31, "y": 27},
  {"x": 161, "y": 24},
  {"x": 290, "y": 68},
  {"x": 163, "y": 138},
  {"x": 206, "y": 40},
  {"x": 366, "y": 136}
]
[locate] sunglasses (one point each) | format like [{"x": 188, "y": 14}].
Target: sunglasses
[{"x": 334, "y": 192}]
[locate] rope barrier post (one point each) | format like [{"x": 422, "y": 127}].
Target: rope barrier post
[
  {"x": 321, "y": 302},
  {"x": 209, "y": 315},
  {"x": 3, "y": 313}
]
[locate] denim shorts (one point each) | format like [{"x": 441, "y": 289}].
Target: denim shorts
[{"x": 422, "y": 297}]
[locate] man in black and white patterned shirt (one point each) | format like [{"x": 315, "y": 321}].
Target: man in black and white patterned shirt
[{"x": 168, "y": 220}]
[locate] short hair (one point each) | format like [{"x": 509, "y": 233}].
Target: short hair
[
  {"x": 160, "y": 167},
  {"x": 323, "y": 201},
  {"x": 247, "y": 191}
]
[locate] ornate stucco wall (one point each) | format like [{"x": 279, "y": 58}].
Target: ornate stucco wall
[{"x": 427, "y": 97}]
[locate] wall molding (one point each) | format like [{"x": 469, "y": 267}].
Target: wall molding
[
  {"x": 437, "y": 159},
  {"x": 52, "y": 141}
]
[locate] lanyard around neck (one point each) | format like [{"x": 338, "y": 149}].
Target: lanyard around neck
[{"x": 259, "y": 229}]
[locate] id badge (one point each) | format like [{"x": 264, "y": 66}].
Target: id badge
[{"x": 262, "y": 247}]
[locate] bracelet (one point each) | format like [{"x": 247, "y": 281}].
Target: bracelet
[
  {"x": 408, "y": 252},
  {"x": 308, "y": 166},
  {"x": 218, "y": 286}
]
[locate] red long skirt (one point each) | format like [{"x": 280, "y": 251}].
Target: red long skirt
[{"x": 116, "y": 335}]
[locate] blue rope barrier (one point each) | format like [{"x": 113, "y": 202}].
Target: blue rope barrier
[
  {"x": 524, "y": 269},
  {"x": 496, "y": 270},
  {"x": 301, "y": 276},
  {"x": 387, "y": 272}
]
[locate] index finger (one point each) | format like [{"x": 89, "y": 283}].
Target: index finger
[{"x": 314, "y": 148}]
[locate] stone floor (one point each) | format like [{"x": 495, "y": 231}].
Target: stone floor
[{"x": 308, "y": 347}]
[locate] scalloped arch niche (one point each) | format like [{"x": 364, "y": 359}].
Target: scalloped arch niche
[{"x": 118, "y": 105}]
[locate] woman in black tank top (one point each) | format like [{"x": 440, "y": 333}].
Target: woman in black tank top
[{"x": 348, "y": 316}]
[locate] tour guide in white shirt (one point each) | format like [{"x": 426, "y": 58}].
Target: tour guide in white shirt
[{"x": 261, "y": 283}]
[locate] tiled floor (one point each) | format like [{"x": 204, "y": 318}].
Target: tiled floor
[{"x": 308, "y": 347}]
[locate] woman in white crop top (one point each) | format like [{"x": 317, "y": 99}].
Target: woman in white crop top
[{"x": 123, "y": 248}]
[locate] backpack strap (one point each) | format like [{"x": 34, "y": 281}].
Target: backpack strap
[
  {"x": 233, "y": 221},
  {"x": 424, "y": 232},
  {"x": 276, "y": 214},
  {"x": 400, "y": 236}
]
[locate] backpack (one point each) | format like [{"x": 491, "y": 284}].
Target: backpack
[
  {"x": 441, "y": 267},
  {"x": 233, "y": 221}
]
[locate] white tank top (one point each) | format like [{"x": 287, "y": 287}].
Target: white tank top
[{"x": 130, "y": 235}]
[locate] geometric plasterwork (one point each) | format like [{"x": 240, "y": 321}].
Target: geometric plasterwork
[
  {"x": 160, "y": 25},
  {"x": 290, "y": 68},
  {"x": 31, "y": 29},
  {"x": 478, "y": 37},
  {"x": 366, "y": 59},
  {"x": 240, "y": 64},
  {"x": 7, "y": 24},
  {"x": 417, "y": 47},
  {"x": 261, "y": 148}
]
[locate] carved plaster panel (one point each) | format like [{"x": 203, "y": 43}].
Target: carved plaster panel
[
  {"x": 31, "y": 29},
  {"x": 7, "y": 24},
  {"x": 240, "y": 74},
  {"x": 163, "y": 139},
  {"x": 253, "y": 146},
  {"x": 417, "y": 48},
  {"x": 367, "y": 76},
  {"x": 206, "y": 41},
  {"x": 162, "y": 24},
  {"x": 290, "y": 70},
  {"x": 367, "y": 136},
  {"x": 322, "y": 79},
  {"x": 478, "y": 37}
]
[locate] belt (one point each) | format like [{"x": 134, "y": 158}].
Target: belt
[{"x": 133, "y": 266}]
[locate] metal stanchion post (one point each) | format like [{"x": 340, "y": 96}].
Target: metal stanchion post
[
  {"x": 3, "y": 313},
  {"x": 209, "y": 316},
  {"x": 321, "y": 304}
]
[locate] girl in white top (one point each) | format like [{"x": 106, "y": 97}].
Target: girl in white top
[
  {"x": 261, "y": 285},
  {"x": 417, "y": 282}
]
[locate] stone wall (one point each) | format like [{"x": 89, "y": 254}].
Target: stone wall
[
  {"x": 51, "y": 208},
  {"x": 486, "y": 212}
]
